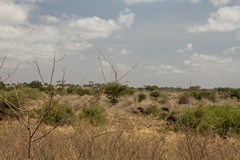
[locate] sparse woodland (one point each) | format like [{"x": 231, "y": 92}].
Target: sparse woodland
[{"x": 43, "y": 120}]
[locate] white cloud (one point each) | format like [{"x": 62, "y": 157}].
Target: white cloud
[
  {"x": 110, "y": 49},
  {"x": 224, "y": 20},
  {"x": 125, "y": 52},
  {"x": 232, "y": 50},
  {"x": 212, "y": 64},
  {"x": 126, "y": 18},
  {"x": 189, "y": 47},
  {"x": 24, "y": 39},
  {"x": 131, "y": 2},
  {"x": 49, "y": 19},
  {"x": 218, "y": 3},
  {"x": 194, "y": 1},
  {"x": 164, "y": 69},
  {"x": 13, "y": 14}
]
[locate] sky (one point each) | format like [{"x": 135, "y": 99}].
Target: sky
[{"x": 177, "y": 43}]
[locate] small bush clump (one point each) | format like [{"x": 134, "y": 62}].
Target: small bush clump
[
  {"x": 56, "y": 113},
  {"x": 207, "y": 94},
  {"x": 153, "y": 110},
  {"x": 141, "y": 97},
  {"x": 154, "y": 94},
  {"x": 95, "y": 115},
  {"x": 183, "y": 99},
  {"x": 36, "y": 84}
]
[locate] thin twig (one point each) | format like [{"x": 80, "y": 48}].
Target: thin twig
[
  {"x": 128, "y": 72},
  {"x": 39, "y": 71},
  {"x": 63, "y": 77},
  {"x": 3, "y": 62},
  {"x": 10, "y": 74},
  {"x": 85, "y": 76},
  {"x": 100, "y": 62}
]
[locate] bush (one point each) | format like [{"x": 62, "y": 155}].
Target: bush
[
  {"x": 36, "y": 84},
  {"x": 153, "y": 110},
  {"x": 155, "y": 94},
  {"x": 2, "y": 85},
  {"x": 191, "y": 118},
  {"x": 71, "y": 89},
  {"x": 56, "y": 113},
  {"x": 235, "y": 93},
  {"x": 221, "y": 119},
  {"x": 183, "y": 99},
  {"x": 16, "y": 98},
  {"x": 95, "y": 115},
  {"x": 141, "y": 97},
  {"x": 208, "y": 94},
  {"x": 114, "y": 91},
  {"x": 81, "y": 91}
]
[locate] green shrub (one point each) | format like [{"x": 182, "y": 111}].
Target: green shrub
[
  {"x": 55, "y": 113},
  {"x": 31, "y": 93},
  {"x": 81, "y": 91},
  {"x": 155, "y": 94},
  {"x": 153, "y": 110},
  {"x": 36, "y": 84},
  {"x": 221, "y": 120},
  {"x": 16, "y": 98},
  {"x": 2, "y": 85},
  {"x": 141, "y": 97},
  {"x": 208, "y": 94},
  {"x": 191, "y": 118},
  {"x": 95, "y": 115},
  {"x": 215, "y": 119},
  {"x": 235, "y": 93},
  {"x": 162, "y": 115},
  {"x": 114, "y": 91},
  {"x": 11, "y": 100},
  {"x": 71, "y": 89}
]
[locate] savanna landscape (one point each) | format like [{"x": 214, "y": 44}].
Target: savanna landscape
[
  {"x": 115, "y": 121},
  {"x": 119, "y": 80}
]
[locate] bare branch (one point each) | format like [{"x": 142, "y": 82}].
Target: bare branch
[
  {"x": 128, "y": 72},
  {"x": 111, "y": 65},
  {"x": 10, "y": 74},
  {"x": 53, "y": 66},
  {"x": 63, "y": 77},
  {"x": 100, "y": 62},
  {"x": 85, "y": 76},
  {"x": 39, "y": 71},
  {"x": 3, "y": 62}
]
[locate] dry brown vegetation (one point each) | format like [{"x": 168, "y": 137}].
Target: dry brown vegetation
[
  {"x": 82, "y": 141},
  {"x": 109, "y": 121},
  {"x": 125, "y": 136}
]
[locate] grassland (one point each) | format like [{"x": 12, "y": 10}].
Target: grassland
[{"x": 93, "y": 122}]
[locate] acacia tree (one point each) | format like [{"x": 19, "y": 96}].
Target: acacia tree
[{"x": 114, "y": 90}]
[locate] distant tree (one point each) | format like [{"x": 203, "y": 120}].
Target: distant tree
[
  {"x": 114, "y": 90},
  {"x": 36, "y": 84}
]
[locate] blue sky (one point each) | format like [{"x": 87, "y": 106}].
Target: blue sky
[{"x": 175, "y": 41}]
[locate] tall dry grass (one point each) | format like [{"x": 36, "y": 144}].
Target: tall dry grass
[{"x": 82, "y": 141}]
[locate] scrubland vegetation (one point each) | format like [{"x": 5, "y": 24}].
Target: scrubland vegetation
[
  {"x": 115, "y": 121},
  {"x": 39, "y": 120}
]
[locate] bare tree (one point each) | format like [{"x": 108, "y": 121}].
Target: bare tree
[
  {"x": 113, "y": 68},
  {"x": 9, "y": 73}
]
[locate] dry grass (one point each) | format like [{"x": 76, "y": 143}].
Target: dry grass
[
  {"x": 81, "y": 141},
  {"x": 127, "y": 136}
]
